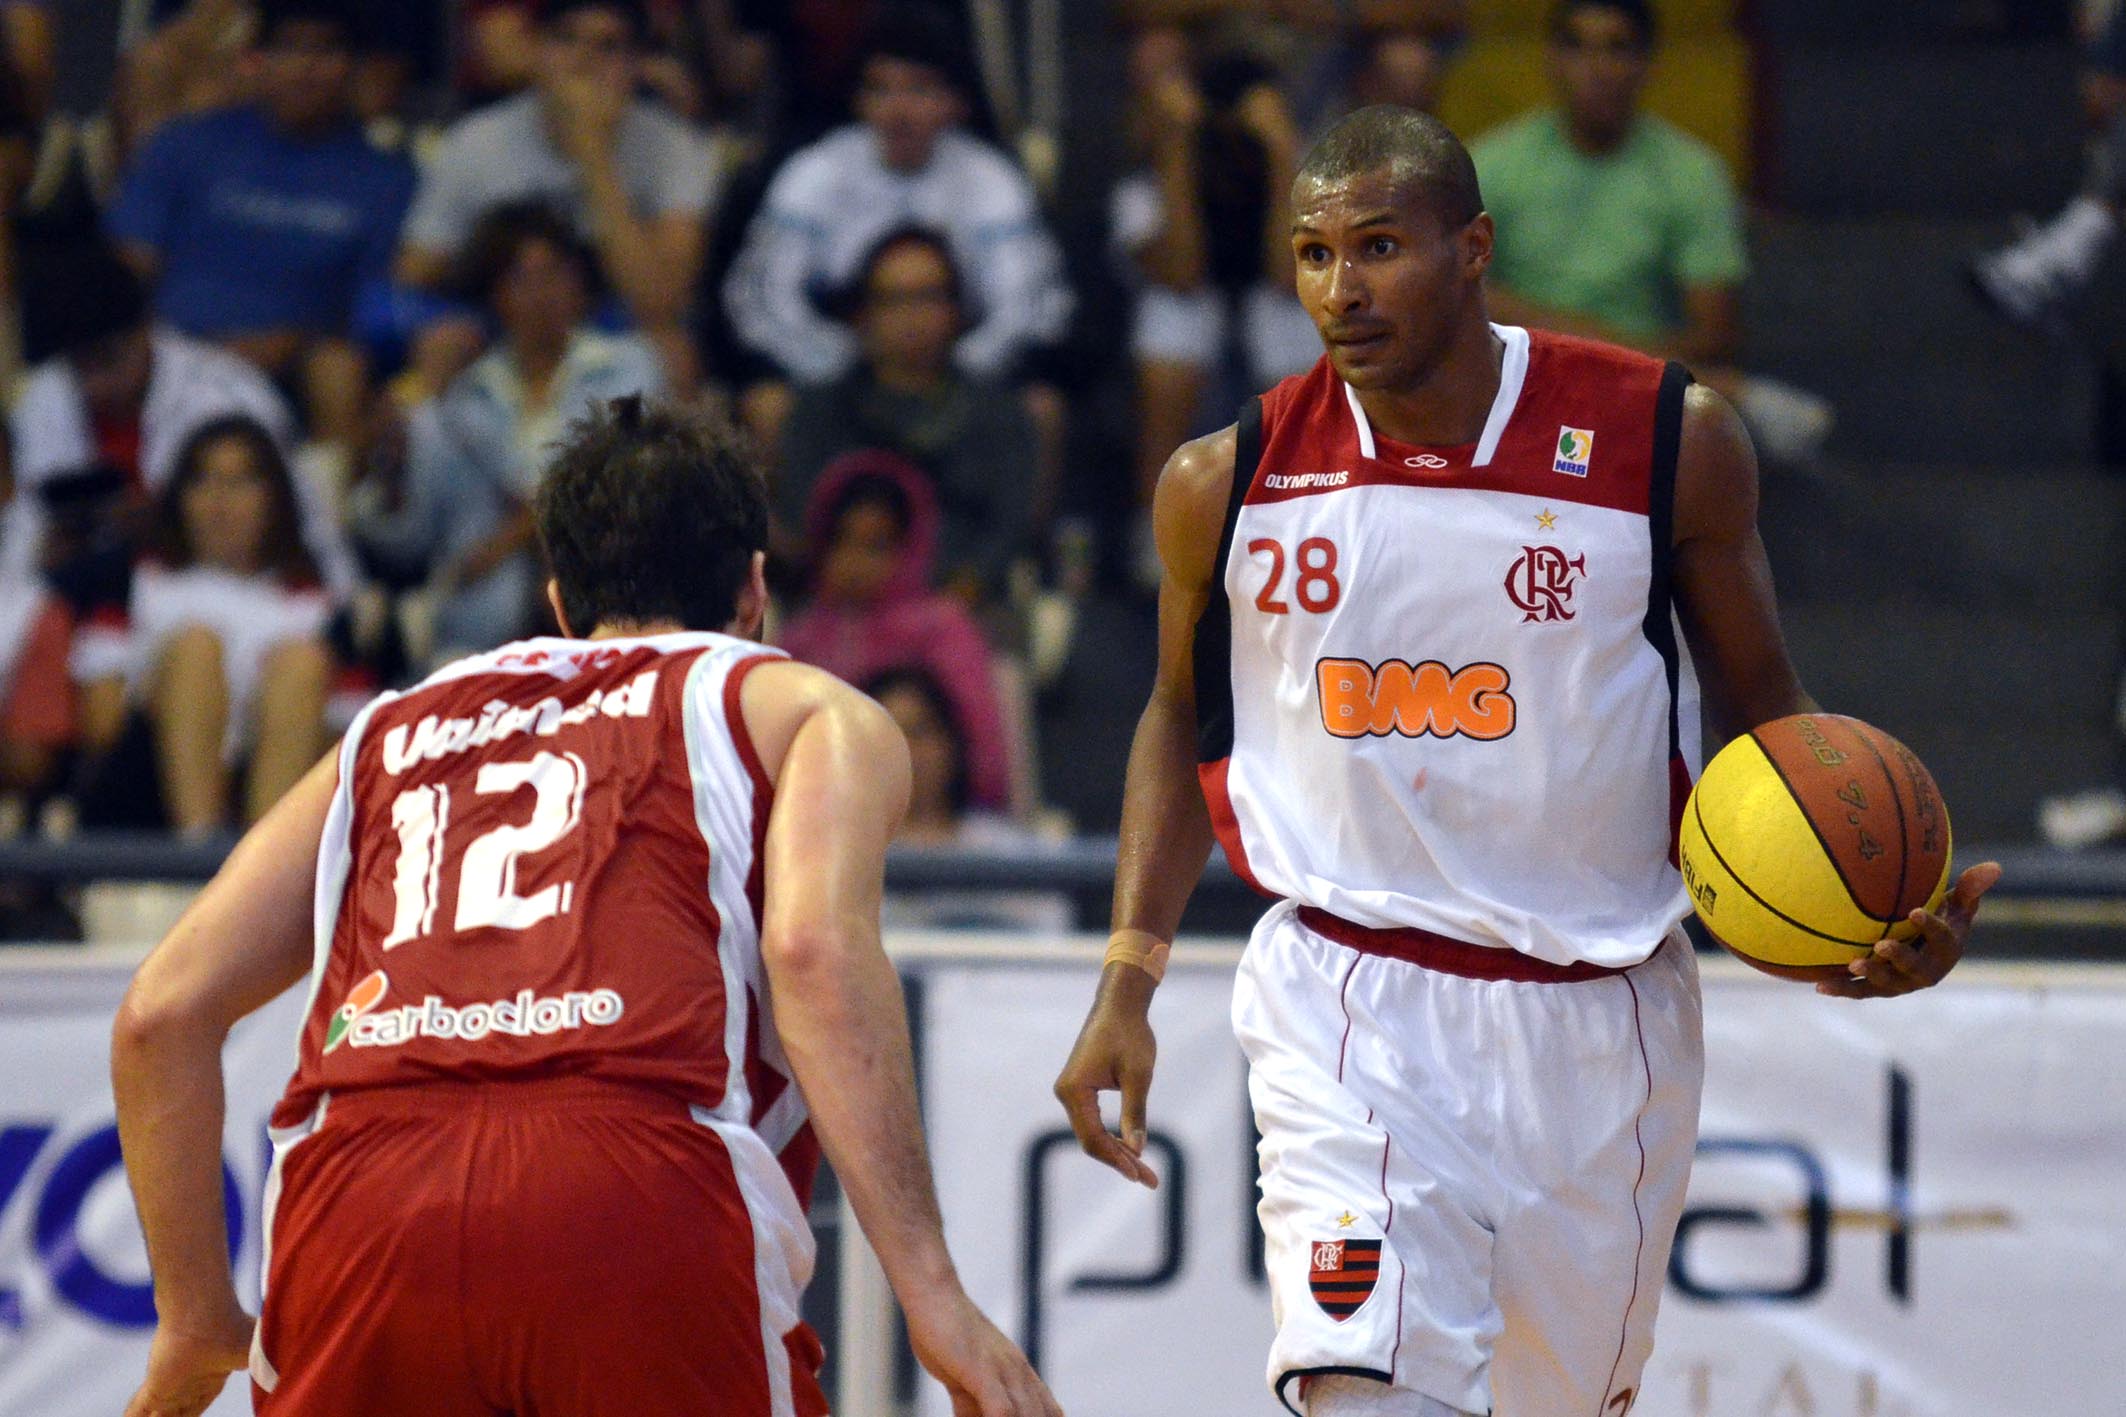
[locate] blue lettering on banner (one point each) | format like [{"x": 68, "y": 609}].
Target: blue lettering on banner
[{"x": 74, "y": 1273}]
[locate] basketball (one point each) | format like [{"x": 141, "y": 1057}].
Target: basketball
[{"x": 1809, "y": 839}]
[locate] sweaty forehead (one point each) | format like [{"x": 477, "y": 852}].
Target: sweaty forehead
[{"x": 1336, "y": 202}]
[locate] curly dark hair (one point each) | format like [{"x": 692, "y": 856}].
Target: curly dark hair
[
  {"x": 650, "y": 513},
  {"x": 285, "y": 554}
]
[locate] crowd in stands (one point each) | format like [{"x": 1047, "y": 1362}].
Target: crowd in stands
[{"x": 289, "y": 323}]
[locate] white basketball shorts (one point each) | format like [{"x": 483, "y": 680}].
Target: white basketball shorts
[{"x": 1469, "y": 1184}]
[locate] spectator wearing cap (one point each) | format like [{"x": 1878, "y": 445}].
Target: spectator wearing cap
[
  {"x": 908, "y": 161},
  {"x": 259, "y": 225},
  {"x": 904, "y": 394},
  {"x": 116, "y": 388},
  {"x": 635, "y": 181},
  {"x": 454, "y": 514}
]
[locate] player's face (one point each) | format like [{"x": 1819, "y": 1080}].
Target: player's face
[
  {"x": 227, "y": 507},
  {"x": 1386, "y": 281},
  {"x": 908, "y": 106},
  {"x": 1598, "y": 66},
  {"x": 304, "y": 70}
]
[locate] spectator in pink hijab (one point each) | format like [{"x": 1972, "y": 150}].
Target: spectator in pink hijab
[{"x": 873, "y": 520}]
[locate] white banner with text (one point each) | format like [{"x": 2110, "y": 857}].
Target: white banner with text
[{"x": 1900, "y": 1209}]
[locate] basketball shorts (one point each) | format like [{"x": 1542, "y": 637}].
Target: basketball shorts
[
  {"x": 1469, "y": 1184},
  {"x": 564, "y": 1247}
]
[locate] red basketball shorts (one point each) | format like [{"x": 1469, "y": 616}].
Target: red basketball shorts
[{"x": 564, "y": 1247}]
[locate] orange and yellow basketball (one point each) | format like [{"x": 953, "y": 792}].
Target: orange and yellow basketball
[{"x": 1809, "y": 839}]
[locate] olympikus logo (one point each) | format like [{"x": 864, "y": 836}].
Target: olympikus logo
[
  {"x": 432, "y": 737},
  {"x": 1299, "y": 481},
  {"x": 1360, "y": 700}
]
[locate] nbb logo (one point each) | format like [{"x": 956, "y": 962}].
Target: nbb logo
[
  {"x": 58, "y": 1203},
  {"x": 1361, "y": 700}
]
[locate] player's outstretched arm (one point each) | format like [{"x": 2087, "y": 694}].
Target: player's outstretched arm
[
  {"x": 1166, "y": 829},
  {"x": 244, "y": 940},
  {"x": 1731, "y": 619},
  {"x": 840, "y": 790}
]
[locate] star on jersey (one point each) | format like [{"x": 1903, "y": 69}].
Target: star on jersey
[
  {"x": 1346, "y": 1221},
  {"x": 1546, "y": 519}
]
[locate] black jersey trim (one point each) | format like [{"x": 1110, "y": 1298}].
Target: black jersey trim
[
  {"x": 1659, "y": 625},
  {"x": 1213, "y": 658},
  {"x": 1284, "y": 1380}
]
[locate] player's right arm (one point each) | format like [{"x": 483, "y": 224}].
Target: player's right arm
[
  {"x": 840, "y": 790},
  {"x": 1166, "y": 828}
]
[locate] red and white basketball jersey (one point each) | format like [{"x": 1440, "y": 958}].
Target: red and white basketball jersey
[
  {"x": 545, "y": 861},
  {"x": 1443, "y": 688}
]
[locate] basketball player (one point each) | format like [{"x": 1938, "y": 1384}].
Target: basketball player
[
  {"x": 592, "y": 925},
  {"x": 1416, "y": 646}
]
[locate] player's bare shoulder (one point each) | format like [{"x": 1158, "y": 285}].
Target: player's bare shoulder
[
  {"x": 1716, "y": 470},
  {"x": 780, "y": 696},
  {"x": 1188, "y": 511}
]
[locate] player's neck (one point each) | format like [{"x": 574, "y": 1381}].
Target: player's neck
[
  {"x": 1449, "y": 405},
  {"x": 634, "y": 629}
]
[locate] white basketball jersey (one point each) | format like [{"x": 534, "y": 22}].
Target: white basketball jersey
[{"x": 1443, "y": 689}]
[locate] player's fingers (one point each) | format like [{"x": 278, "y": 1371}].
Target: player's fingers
[
  {"x": 1970, "y": 887},
  {"x": 1136, "y": 1088},
  {"x": 1082, "y": 1106},
  {"x": 1896, "y": 965}
]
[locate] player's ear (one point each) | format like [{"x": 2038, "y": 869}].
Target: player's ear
[
  {"x": 1475, "y": 241},
  {"x": 553, "y": 598},
  {"x": 752, "y": 607}
]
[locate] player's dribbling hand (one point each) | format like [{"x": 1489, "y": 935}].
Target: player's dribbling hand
[
  {"x": 1903, "y": 966},
  {"x": 1114, "y": 1053},
  {"x": 186, "y": 1370},
  {"x": 984, "y": 1371}
]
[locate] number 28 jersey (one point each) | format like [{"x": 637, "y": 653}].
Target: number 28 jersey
[
  {"x": 1442, "y": 686},
  {"x": 545, "y": 861}
]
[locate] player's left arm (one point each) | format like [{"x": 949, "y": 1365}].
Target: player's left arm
[
  {"x": 243, "y": 941},
  {"x": 1723, "y": 591}
]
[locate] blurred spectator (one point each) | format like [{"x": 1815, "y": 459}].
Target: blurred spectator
[
  {"x": 905, "y": 395},
  {"x": 454, "y": 514},
  {"x": 874, "y": 519},
  {"x": 1206, "y": 230},
  {"x": 115, "y": 389},
  {"x": 2038, "y": 280},
  {"x": 908, "y": 161},
  {"x": 29, "y": 39},
  {"x": 188, "y": 64},
  {"x": 635, "y": 181},
  {"x": 1615, "y": 224},
  {"x": 36, "y": 694},
  {"x": 219, "y": 668},
  {"x": 939, "y": 817},
  {"x": 259, "y": 225}
]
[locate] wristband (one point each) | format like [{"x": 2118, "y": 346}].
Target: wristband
[{"x": 1140, "y": 948}]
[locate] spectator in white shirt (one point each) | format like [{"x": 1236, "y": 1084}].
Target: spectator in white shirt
[
  {"x": 635, "y": 181},
  {"x": 908, "y": 162}
]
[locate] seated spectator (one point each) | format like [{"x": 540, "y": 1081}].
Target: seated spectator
[
  {"x": 634, "y": 181},
  {"x": 187, "y": 64},
  {"x": 455, "y": 513},
  {"x": 2038, "y": 280},
  {"x": 218, "y": 668},
  {"x": 939, "y": 817},
  {"x": 115, "y": 388},
  {"x": 874, "y": 519},
  {"x": 1205, "y": 230},
  {"x": 36, "y": 695},
  {"x": 258, "y": 226},
  {"x": 1615, "y": 224},
  {"x": 907, "y": 396},
  {"x": 908, "y": 161}
]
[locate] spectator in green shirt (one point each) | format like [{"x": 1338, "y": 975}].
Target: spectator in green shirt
[{"x": 1615, "y": 224}]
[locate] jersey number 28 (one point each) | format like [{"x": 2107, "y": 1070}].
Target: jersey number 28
[{"x": 1316, "y": 588}]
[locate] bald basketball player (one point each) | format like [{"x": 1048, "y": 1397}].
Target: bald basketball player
[{"x": 1421, "y": 675}]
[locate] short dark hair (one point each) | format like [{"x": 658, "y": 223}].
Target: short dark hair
[
  {"x": 919, "y": 33},
  {"x": 1645, "y": 26},
  {"x": 1417, "y": 149},
  {"x": 503, "y": 231},
  {"x": 75, "y": 295},
  {"x": 851, "y": 298},
  {"x": 343, "y": 15},
  {"x": 648, "y": 513},
  {"x": 553, "y": 12},
  {"x": 285, "y": 554}
]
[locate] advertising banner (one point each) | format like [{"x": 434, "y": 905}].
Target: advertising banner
[{"x": 1910, "y": 1208}]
